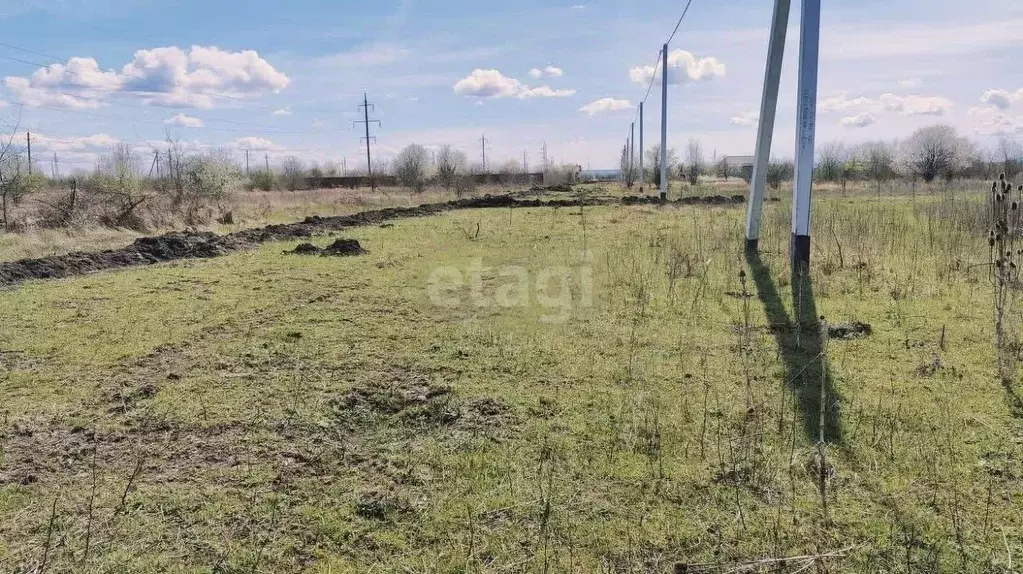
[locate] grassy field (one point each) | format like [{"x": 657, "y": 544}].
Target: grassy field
[{"x": 612, "y": 389}]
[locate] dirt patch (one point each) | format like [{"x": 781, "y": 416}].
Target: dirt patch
[
  {"x": 420, "y": 404},
  {"x": 181, "y": 245},
  {"x": 853, "y": 330}
]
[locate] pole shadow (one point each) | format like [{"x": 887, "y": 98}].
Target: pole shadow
[{"x": 801, "y": 344}]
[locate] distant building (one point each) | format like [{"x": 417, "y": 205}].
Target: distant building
[{"x": 740, "y": 165}]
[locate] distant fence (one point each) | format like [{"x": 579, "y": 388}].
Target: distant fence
[{"x": 355, "y": 181}]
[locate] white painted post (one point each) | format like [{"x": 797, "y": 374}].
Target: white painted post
[
  {"x": 765, "y": 131},
  {"x": 802, "y": 187},
  {"x": 664, "y": 122},
  {"x": 642, "y": 177}
]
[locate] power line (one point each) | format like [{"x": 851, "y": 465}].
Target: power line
[{"x": 679, "y": 23}]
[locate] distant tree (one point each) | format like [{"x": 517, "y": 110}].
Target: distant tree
[
  {"x": 451, "y": 164},
  {"x": 627, "y": 167},
  {"x": 779, "y": 171},
  {"x": 653, "y": 158},
  {"x": 934, "y": 151},
  {"x": 721, "y": 170},
  {"x": 831, "y": 159},
  {"x": 292, "y": 173},
  {"x": 694, "y": 161},
  {"x": 1010, "y": 154},
  {"x": 878, "y": 161},
  {"x": 410, "y": 167}
]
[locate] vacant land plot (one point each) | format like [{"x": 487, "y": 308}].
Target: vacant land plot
[{"x": 571, "y": 389}]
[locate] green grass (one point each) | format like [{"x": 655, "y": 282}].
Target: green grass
[{"x": 282, "y": 413}]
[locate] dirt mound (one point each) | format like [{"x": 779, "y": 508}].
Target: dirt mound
[
  {"x": 180, "y": 245},
  {"x": 304, "y": 249},
  {"x": 693, "y": 200},
  {"x": 340, "y": 248},
  {"x": 343, "y": 247}
]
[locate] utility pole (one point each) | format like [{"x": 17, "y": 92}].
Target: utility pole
[
  {"x": 152, "y": 166},
  {"x": 157, "y": 152},
  {"x": 28, "y": 137},
  {"x": 246, "y": 163},
  {"x": 664, "y": 122},
  {"x": 641, "y": 174},
  {"x": 525, "y": 166},
  {"x": 543, "y": 151},
  {"x": 483, "y": 143},
  {"x": 55, "y": 170},
  {"x": 765, "y": 128},
  {"x": 632, "y": 149},
  {"x": 266, "y": 159},
  {"x": 369, "y": 162},
  {"x": 806, "y": 126}
]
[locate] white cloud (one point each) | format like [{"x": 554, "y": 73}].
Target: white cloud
[
  {"x": 544, "y": 92},
  {"x": 842, "y": 103},
  {"x": 860, "y": 120},
  {"x": 41, "y": 97},
  {"x": 908, "y": 105},
  {"x": 913, "y": 105},
  {"x": 683, "y": 67},
  {"x": 606, "y": 105},
  {"x": 285, "y": 111},
  {"x": 256, "y": 143},
  {"x": 184, "y": 121},
  {"x": 494, "y": 84},
  {"x": 167, "y": 76},
  {"x": 1001, "y": 99},
  {"x": 550, "y": 71},
  {"x": 73, "y": 144},
  {"x": 990, "y": 121},
  {"x": 745, "y": 119}
]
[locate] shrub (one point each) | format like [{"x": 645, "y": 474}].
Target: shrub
[
  {"x": 292, "y": 173},
  {"x": 410, "y": 167},
  {"x": 262, "y": 180}
]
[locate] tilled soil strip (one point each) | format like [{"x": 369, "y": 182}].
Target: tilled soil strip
[{"x": 182, "y": 245}]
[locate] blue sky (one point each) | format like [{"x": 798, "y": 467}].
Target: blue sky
[{"x": 287, "y": 77}]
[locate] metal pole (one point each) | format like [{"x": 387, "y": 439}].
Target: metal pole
[
  {"x": 641, "y": 174},
  {"x": 802, "y": 187},
  {"x": 246, "y": 162},
  {"x": 632, "y": 150},
  {"x": 28, "y": 137},
  {"x": 369, "y": 163},
  {"x": 765, "y": 130},
  {"x": 483, "y": 145},
  {"x": 664, "y": 122}
]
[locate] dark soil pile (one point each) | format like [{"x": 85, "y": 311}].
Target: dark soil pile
[{"x": 182, "y": 245}]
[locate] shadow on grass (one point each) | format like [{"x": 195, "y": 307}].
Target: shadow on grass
[{"x": 801, "y": 345}]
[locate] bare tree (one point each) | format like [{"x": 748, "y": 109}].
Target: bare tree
[
  {"x": 117, "y": 187},
  {"x": 12, "y": 180},
  {"x": 653, "y": 158},
  {"x": 721, "y": 169},
  {"x": 627, "y": 167},
  {"x": 694, "y": 161},
  {"x": 878, "y": 161},
  {"x": 410, "y": 167},
  {"x": 831, "y": 158},
  {"x": 450, "y": 165},
  {"x": 933, "y": 152},
  {"x": 292, "y": 173}
]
